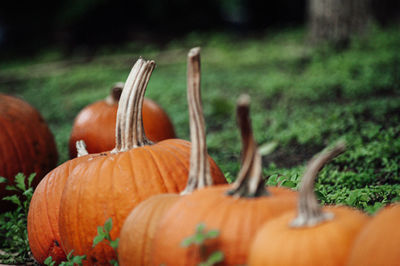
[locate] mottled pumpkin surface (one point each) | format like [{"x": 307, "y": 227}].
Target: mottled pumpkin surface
[{"x": 26, "y": 143}]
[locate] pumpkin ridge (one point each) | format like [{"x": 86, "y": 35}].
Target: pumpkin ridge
[
  {"x": 47, "y": 206},
  {"x": 111, "y": 210},
  {"x": 36, "y": 236},
  {"x": 135, "y": 185},
  {"x": 174, "y": 152},
  {"x": 157, "y": 165}
]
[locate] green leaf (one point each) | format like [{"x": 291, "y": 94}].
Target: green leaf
[
  {"x": 199, "y": 239},
  {"x": 11, "y": 188},
  {"x": 108, "y": 225},
  {"x": 69, "y": 255},
  {"x": 97, "y": 240},
  {"x": 216, "y": 257},
  {"x": 49, "y": 261},
  {"x": 13, "y": 199},
  {"x": 20, "y": 181},
  {"x": 114, "y": 243},
  {"x": 100, "y": 231},
  {"x": 3, "y": 180},
  {"x": 30, "y": 179},
  {"x": 288, "y": 183},
  {"x": 212, "y": 234},
  {"x": 187, "y": 241}
]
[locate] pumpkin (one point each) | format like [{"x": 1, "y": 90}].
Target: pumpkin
[
  {"x": 312, "y": 236},
  {"x": 95, "y": 124},
  {"x": 26, "y": 144},
  {"x": 113, "y": 183},
  {"x": 236, "y": 211},
  {"x": 139, "y": 228},
  {"x": 43, "y": 231},
  {"x": 379, "y": 241}
]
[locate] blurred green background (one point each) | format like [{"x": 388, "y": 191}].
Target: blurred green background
[{"x": 306, "y": 94}]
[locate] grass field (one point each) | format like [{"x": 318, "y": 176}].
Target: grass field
[{"x": 303, "y": 98}]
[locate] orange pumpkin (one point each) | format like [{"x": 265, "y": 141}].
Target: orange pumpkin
[
  {"x": 235, "y": 210},
  {"x": 95, "y": 124},
  {"x": 43, "y": 231},
  {"x": 139, "y": 228},
  {"x": 379, "y": 241},
  {"x": 27, "y": 145},
  {"x": 112, "y": 184},
  {"x": 316, "y": 236}
]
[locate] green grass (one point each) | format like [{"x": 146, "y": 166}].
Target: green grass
[{"x": 303, "y": 98}]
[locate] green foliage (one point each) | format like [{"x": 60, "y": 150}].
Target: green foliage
[
  {"x": 103, "y": 234},
  {"x": 199, "y": 239},
  {"x": 13, "y": 225},
  {"x": 72, "y": 260}
]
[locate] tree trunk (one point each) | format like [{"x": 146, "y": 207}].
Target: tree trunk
[{"x": 337, "y": 20}]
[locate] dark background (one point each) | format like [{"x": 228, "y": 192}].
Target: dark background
[{"x": 27, "y": 27}]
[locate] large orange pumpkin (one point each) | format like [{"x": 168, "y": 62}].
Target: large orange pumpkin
[
  {"x": 235, "y": 210},
  {"x": 379, "y": 241},
  {"x": 313, "y": 236},
  {"x": 95, "y": 124},
  {"x": 139, "y": 228},
  {"x": 112, "y": 184},
  {"x": 26, "y": 143},
  {"x": 43, "y": 231}
]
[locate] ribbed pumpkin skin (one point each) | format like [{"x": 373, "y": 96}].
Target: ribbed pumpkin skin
[
  {"x": 325, "y": 244},
  {"x": 236, "y": 219},
  {"x": 379, "y": 241},
  {"x": 95, "y": 124},
  {"x": 112, "y": 185},
  {"x": 26, "y": 143},
  {"x": 43, "y": 232},
  {"x": 139, "y": 229}
]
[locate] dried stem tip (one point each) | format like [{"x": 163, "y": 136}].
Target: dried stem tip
[
  {"x": 249, "y": 182},
  {"x": 309, "y": 210}
]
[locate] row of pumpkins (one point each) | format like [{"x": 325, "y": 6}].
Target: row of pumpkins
[{"x": 158, "y": 192}]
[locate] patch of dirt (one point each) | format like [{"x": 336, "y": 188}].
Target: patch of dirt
[{"x": 292, "y": 155}]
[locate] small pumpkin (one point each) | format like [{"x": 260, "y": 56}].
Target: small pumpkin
[
  {"x": 27, "y": 145},
  {"x": 379, "y": 241},
  {"x": 113, "y": 183},
  {"x": 235, "y": 210},
  {"x": 43, "y": 230},
  {"x": 313, "y": 236},
  {"x": 95, "y": 124},
  {"x": 139, "y": 228}
]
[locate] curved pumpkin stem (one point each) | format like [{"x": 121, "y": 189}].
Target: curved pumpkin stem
[
  {"x": 129, "y": 131},
  {"x": 199, "y": 173},
  {"x": 309, "y": 210},
  {"x": 81, "y": 148},
  {"x": 249, "y": 182},
  {"x": 115, "y": 93}
]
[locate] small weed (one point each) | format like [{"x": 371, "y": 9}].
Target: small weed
[
  {"x": 199, "y": 239},
  {"x": 71, "y": 260},
  {"x": 14, "y": 242},
  {"x": 103, "y": 234}
]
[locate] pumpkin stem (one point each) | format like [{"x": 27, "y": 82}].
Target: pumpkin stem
[
  {"x": 81, "y": 148},
  {"x": 199, "y": 173},
  {"x": 129, "y": 131},
  {"x": 249, "y": 182},
  {"x": 115, "y": 93},
  {"x": 309, "y": 210}
]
